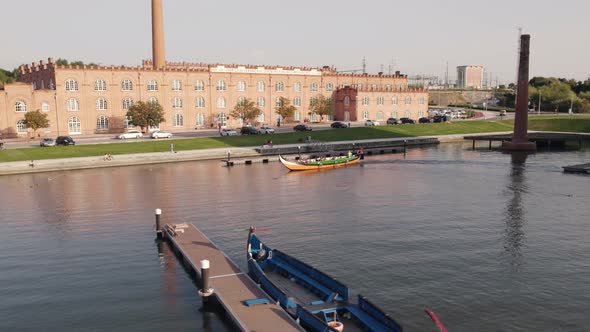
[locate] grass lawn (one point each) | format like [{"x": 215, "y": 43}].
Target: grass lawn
[{"x": 562, "y": 123}]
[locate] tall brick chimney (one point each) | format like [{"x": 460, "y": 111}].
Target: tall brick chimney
[
  {"x": 158, "y": 49},
  {"x": 520, "y": 140}
]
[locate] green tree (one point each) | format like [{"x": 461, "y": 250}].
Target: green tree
[
  {"x": 321, "y": 105},
  {"x": 65, "y": 62},
  {"x": 145, "y": 115},
  {"x": 285, "y": 109},
  {"x": 8, "y": 76},
  {"x": 36, "y": 120},
  {"x": 246, "y": 110}
]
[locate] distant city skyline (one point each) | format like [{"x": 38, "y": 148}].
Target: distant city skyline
[{"x": 416, "y": 38}]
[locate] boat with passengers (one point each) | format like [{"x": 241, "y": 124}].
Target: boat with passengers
[{"x": 320, "y": 163}]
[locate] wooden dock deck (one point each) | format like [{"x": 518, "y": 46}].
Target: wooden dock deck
[
  {"x": 545, "y": 138},
  {"x": 581, "y": 168},
  {"x": 231, "y": 286}
]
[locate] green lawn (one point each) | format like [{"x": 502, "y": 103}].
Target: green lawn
[{"x": 573, "y": 124}]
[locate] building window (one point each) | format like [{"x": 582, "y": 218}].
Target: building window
[
  {"x": 20, "y": 106},
  {"x": 176, "y": 85},
  {"x": 178, "y": 120},
  {"x": 297, "y": 87},
  {"x": 359, "y": 86},
  {"x": 51, "y": 85},
  {"x": 45, "y": 106},
  {"x": 373, "y": 87},
  {"x": 100, "y": 85},
  {"x": 127, "y": 122},
  {"x": 408, "y": 114},
  {"x": 74, "y": 125},
  {"x": 297, "y": 116},
  {"x": 365, "y": 101},
  {"x": 380, "y": 115},
  {"x": 200, "y": 122},
  {"x": 421, "y": 101},
  {"x": 71, "y": 85},
  {"x": 200, "y": 102},
  {"x": 177, "y": 102},
  {"x": 346, "y": 101},
  {"x": 297, "y": 101},
  {"x": 314, "y": 87},
  {"x": 127, "y": 103},
  {"x": 313, "y": 117},
  {"x": 380, "y": 100},
  {"x": 278, "y": 102},
  {"x": 21, "y": 127},
  {"x": 101, "y": 104},
  {"x": 241, "y": 86},
  {"x": 388, "y": 87},
  {"x": 365, "y": 115},
  {"x": 260, "y": 102},
  {"x": 261, "y": 117},
  {"x": 127, "y": 85},
  {"x": 102, "y": 123},
  {"x": 329, "y": 87},
  {"x": 394, "y": 101},
  {"x": 73, "y": 104},
  {"x": 280, "y": 86},
  {"x": 241, "y": 101},
  {"x": 221, "y": 85},
  {"x": 408, "y": 100},
  {"x": 260, "y": 86},
  {"x": 394, "y": 114},
  {"x": 152, "y": 85},
  {"x": 222, "y": 119},
  {"x": 152, "y": 100},
  {"x": 420, "y": 113},
  {"x": 199, "y": 85},
  {"x": 221, "y": 102}
]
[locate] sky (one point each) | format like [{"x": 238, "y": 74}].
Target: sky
[{"x": 412, "y": 36}]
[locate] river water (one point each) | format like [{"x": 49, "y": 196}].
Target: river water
[{"x": 486, "y": 242}]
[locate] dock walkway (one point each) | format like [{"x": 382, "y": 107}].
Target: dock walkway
[{"x": 231, "y": 286}]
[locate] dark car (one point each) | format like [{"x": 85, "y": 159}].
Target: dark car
[
  {"x": 439, "y": 118},
  {"x": 392, "y": 121},
  {"x": 338, "y": 124},
  {"x": 406, "y": 120},
  {"x": 424, "y": 120},
  {"x": 64, "y": 140},
  {"x": 302, "y": 127},
  {"x": 249, "y": 131}
]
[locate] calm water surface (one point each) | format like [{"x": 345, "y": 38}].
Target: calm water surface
[{"x": 486, "y": 243}]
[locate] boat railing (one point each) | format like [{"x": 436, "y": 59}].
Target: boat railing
[
  {"x": 312, "y": 321},
  {"x": 260, "y": 277},
  {"x": 369, "y": 308}
]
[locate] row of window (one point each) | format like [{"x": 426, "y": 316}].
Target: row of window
[
  {"x": 380, "y": 116},
  {"x": 381, "y": 101}
]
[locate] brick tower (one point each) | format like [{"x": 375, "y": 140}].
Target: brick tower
[{"x": 158, "y": 50}]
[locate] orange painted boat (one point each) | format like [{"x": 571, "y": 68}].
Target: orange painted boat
[{"x": 319, "y": 163}]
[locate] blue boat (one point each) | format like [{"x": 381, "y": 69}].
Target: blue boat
[{"x": 319, "y": 302}]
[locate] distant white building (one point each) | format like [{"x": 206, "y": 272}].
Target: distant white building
[{"x": 470, "y": 77}]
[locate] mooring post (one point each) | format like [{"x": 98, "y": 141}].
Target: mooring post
[
  {"x": 299, "y": 151},
  {"x": 228, "y": 155},
  {"x": 158, "y": 228},
  {"x": 473, "y": 147},
  {"x": 405, "y": 145},
  {"x": 490, "y": 147},
  {"x": 205, "y": 291}
]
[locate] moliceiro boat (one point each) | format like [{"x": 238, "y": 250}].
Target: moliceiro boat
[
  {"x": 320, "y": 163},
  {"x": 319, "y": 302}
]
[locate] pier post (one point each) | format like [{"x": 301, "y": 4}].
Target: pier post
[
  {"x": 158, "y": 228},
  {"x": 205, "y": 291}
]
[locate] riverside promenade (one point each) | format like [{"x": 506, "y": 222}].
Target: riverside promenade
[{"x": 52, "y": 165}]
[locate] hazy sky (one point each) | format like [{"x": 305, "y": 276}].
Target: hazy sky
[{"x": 417, "y": 37}]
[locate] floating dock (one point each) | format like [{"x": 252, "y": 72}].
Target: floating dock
[
  {"x": 249, "y": 307},
  {"x": 544, "y": 138},
  {"x": 581, "y": 168}
]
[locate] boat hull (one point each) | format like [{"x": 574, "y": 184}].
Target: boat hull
[{"x": 314, "y": 164}]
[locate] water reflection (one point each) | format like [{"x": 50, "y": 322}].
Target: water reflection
[{"x": 515, "y": 213}]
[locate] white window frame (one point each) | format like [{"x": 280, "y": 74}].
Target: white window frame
[
  {"x": 176, "y": 85},
  {"x": 380, "y": 100},
  {"x": 102, "y": 122},
  {"x": 329, "y": 87},
  {"x": 100, "y": 85},
  {"x": 222, "y": 118},
  {"x": 297, "y": 101},
  {"x": 408, "y": 114},
  {"x": 73, "y": 104},
  {"x": 102, "y": 104},
  {"x": 297, "y": 87},
  {"x": 199, "y": 85},
  {"x": 365, "y": 101},
  {"x": 221, "y": 86},
  {"x": 200, "y": 102},
  {"x": 74, "y": 125},
  {"x": 21, "y": 128},
  {"x": 178, "y": 120},
  {"x": 313, "y": 87},
  {"x": 221, "y": 102},
  {"x": 126, "y": 85},
  {"x": 346, "y": 101},
  {"x": 365, "y": 115},
  {"x": 45, "y": 106},
  {"x": 200, "y": 120},
  {"x": 297, "y": 116},
  {"x": 260, "y": 102},
  {"x": 280, "y": 86},
  {"x": 379, "y": 116},
  {"x": 20, "y": 106},
  {"x": 241, "y": 86},
  {"x": 408, "y": 100},
  {"x": 393, "y": 100},
  {"x": 421, "y": 101},
  {"x": 260, "y": 86},
  {"x": 177, "y": 103},
  {"x": 152, "y": 100},
  {"x": 71, "y": 85},
  {"x": 152, "y": 85},
  {"x": 126, "y": 103}
]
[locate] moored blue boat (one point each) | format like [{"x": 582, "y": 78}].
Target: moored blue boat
[{"x": 318, "y": 301}]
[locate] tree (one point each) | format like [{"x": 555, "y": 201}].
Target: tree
[
  {"x": 36, "y": 120},
  {"x": 145, "y": 115},
  {"x": 285, "y": 109},
  {"x": 246, "y": 110},
  {"x": 321, "y": 105}
]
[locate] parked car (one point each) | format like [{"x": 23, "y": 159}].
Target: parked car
[
  {"x": 228, "y": 132},
  {"x": 338, "y": 124},
  {"x": 371, "y": 123},
  {"x": 64, "y": 140},
  {"x": 392, "y": 121},
  {"x": 249, "y": 131},
  {"x": 440, "y": 118},
  {"x": 160, "y": 134},
  {"x": 424, "y": 120},
  {"x": 302, "y": 127},
  {"x": 266, "y": 130},
  {"x": 131, "y": 134},
  {"x": 47, "y": 142},
  {"x": 406, "y": 120}
]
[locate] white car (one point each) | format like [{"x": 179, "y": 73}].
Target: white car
[
  {"x": 266, "y": 130},
  {"x": 371, "y": 123},
  {"x": 228, "y": 132},
  {"x": 131, "y": 134},
  {"x": 160, "y": 134}
]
